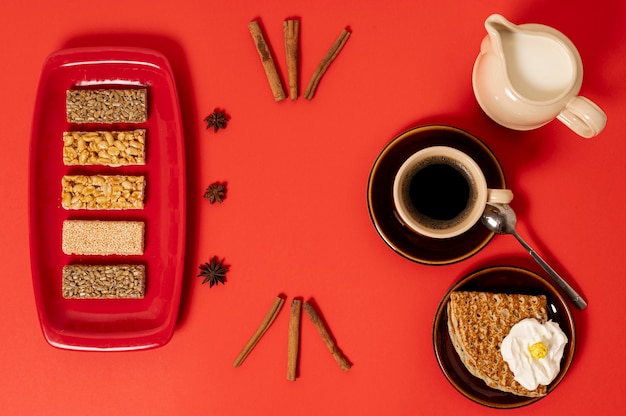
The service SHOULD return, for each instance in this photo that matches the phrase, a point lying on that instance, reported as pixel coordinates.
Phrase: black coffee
(441, 192)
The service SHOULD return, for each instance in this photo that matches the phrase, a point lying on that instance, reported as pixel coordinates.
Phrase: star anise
(213, 272)
(215, 192)
(217, 120)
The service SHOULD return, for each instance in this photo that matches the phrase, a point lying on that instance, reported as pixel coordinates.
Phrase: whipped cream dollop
(533, 352)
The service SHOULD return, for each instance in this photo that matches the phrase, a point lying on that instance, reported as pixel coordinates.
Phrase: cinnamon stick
(265, 324)
(293, 339)
(267, 60)
(291, 28)
(328, 340)
(325, 63)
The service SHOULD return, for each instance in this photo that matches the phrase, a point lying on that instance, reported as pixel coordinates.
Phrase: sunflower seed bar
(102, 192)
(106, 105)
(103, 237)
(108, 148)
(123, 281)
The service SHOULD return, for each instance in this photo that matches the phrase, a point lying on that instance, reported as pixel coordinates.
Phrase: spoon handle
(576, 298)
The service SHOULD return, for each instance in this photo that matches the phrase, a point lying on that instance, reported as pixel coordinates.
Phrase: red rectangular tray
(108, 324)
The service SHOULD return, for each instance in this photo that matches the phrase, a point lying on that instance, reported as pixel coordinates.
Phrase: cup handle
(583, 116)
(499, 196)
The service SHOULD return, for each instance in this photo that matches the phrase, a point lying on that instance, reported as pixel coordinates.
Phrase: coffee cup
(441, 192)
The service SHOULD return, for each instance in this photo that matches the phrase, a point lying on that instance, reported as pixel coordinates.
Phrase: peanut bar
(108, 148)
(102, 192)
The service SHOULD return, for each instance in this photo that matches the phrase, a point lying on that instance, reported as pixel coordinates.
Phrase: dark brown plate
(398, 236)
(502, 279)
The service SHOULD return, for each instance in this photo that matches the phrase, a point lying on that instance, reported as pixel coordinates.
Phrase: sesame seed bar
(127, 105)
(108, 148)
(93, 237)
(102, 192)
(123, 281)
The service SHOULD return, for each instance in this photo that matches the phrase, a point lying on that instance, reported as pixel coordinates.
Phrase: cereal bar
(108, 148)
(103, 237)
(102, 192)
(123, 281)
(127, 105)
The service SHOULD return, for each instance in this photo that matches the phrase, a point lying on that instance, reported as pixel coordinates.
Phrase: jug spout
(497, 27)
(496, 24)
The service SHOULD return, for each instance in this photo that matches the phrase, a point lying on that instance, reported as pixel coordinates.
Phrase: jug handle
(583, 116)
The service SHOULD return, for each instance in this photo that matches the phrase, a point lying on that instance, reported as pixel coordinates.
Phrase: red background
(295, 221)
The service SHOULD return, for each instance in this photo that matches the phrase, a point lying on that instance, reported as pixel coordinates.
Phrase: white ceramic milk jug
(525, 76)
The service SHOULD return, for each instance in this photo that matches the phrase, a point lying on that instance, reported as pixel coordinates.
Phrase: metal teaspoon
(501, 219)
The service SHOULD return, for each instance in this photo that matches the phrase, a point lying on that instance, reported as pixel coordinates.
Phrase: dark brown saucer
(388, 224)
(501, 279)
